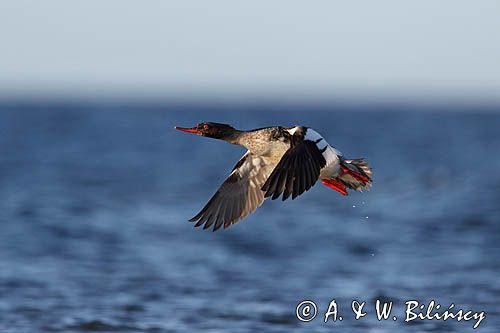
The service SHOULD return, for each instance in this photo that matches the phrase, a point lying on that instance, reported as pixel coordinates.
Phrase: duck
(280, 161)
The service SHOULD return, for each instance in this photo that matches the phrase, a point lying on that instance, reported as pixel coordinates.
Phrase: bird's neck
(254, 141)
(237, 137)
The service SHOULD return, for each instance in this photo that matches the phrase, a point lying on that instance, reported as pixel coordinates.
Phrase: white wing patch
(293, 130)
(312, 135)
(330, 154)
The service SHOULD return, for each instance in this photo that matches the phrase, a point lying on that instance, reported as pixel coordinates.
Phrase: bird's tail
(354, 174)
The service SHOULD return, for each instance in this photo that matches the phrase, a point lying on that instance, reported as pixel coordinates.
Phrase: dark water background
(94, 202)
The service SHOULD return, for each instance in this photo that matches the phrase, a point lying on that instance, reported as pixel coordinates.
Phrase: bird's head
(210, 130)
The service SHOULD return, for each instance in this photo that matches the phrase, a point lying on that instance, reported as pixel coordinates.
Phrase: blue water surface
(95, 198)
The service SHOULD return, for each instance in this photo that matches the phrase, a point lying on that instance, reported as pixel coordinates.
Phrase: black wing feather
(297, 171)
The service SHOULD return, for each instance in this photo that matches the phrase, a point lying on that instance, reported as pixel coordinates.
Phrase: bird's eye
(205, 126)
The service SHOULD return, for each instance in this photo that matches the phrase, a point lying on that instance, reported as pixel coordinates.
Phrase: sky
(281, 48)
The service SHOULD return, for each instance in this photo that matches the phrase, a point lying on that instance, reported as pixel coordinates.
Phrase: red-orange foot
(356, 175)
(336, 185)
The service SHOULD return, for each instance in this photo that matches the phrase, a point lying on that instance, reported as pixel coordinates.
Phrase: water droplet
(353, 206)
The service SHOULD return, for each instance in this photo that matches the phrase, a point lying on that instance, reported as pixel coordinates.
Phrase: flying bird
(280, 161)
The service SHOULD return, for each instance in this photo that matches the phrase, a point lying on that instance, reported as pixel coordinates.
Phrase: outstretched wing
(238, 196)
(298, 170)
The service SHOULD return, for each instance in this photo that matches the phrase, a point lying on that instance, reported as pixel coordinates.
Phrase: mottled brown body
(270, 143)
